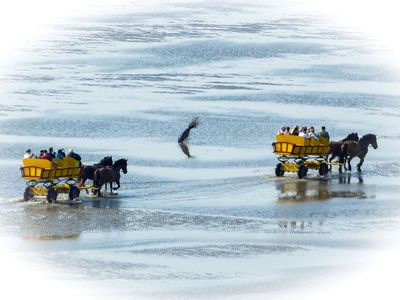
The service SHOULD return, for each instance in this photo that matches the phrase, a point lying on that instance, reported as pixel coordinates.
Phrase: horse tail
(343, 152)
(96, 179)
(80, 176)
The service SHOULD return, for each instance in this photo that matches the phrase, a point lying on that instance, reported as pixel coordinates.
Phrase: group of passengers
(50, 154)
(304, 132)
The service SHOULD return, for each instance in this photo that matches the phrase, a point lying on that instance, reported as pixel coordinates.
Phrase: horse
(335, 147)
(351, 149)
(109, 175)
(182, 141)
(87, 172)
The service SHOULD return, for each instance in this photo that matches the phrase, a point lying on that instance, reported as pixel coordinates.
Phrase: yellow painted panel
(71, 163)
(36, 162)
(323, 141)
(293, 139)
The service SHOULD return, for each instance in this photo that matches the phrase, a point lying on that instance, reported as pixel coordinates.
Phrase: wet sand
(220, 225)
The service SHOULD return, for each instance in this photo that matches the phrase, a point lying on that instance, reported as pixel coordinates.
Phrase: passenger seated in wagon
(312, 134)
(28, 154)
(73, 155)
(45, 155)
(323, 133)
(303, 132)
(59, 155)
(51, 152)
(287, 131)
(281, 131)
(294, 130)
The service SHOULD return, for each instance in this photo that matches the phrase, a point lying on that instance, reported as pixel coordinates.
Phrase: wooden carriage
(297, 154)
(49, 178)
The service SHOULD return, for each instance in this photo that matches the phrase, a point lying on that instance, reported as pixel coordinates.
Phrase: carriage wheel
(323, 169)
(51, 195)
(302, 172)
(73, 193)
(28, 195)
(279, 170)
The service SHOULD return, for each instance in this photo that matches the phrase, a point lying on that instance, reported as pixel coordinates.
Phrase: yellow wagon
(49, 178)
(297, 154)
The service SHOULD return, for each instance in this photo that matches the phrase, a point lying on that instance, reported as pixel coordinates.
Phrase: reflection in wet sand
(315, 190)
(346, 178)
(66, 220)
(53, 237)
(303, 190)
(301, 225)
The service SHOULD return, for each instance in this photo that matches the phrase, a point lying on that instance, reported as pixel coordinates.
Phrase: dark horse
(87, 172)
(351, 149)
(109, 175)
(183, 139)
(335, 147)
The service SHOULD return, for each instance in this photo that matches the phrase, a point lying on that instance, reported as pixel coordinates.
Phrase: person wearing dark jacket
(51, 152)
(73, 155)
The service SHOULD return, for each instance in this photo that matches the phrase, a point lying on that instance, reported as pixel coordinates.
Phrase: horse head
(373, 142)
(106, 161)
(369, 139)
(122, 164)
(353, 137)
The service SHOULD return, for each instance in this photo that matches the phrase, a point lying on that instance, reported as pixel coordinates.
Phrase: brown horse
(109, 175)
(87, 171)
(352, 149)
(336, 147)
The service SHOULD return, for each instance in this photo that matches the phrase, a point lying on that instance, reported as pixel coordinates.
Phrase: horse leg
(99, 191)
(330, 160)
(360, 164)
(118, 185)
(111, 188)
(82, 183)
(348, 162)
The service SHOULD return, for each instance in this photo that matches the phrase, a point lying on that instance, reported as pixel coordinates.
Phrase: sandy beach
(125, 81)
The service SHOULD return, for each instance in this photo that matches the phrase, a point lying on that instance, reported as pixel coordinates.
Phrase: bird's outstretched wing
(183, 139)
(185, 134)
(185, 149)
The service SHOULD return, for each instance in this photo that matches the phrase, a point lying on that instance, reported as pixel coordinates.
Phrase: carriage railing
(299, 146)
(283, 148)
(32, 173)
(38, 169)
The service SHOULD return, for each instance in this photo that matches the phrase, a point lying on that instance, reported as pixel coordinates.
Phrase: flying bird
(184, 138)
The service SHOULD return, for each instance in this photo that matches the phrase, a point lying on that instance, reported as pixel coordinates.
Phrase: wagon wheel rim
(279, 170)
(302, 172)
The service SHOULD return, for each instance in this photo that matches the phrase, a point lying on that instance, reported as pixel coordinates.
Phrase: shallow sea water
(126, 82)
